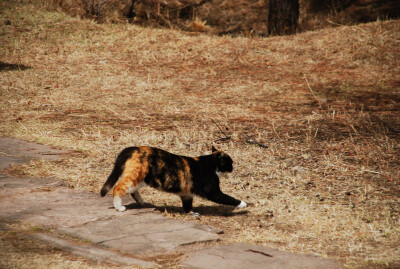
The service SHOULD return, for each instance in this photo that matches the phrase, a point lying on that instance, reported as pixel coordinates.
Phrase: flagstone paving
(239, 256)
(122, 238)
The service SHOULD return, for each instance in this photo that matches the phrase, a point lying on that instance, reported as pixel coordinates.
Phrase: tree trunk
(283, 16)
(129, 10)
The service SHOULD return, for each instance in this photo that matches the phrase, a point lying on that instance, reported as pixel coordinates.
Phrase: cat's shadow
(214, 210)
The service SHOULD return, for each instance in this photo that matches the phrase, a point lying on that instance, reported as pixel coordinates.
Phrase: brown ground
(325, 105)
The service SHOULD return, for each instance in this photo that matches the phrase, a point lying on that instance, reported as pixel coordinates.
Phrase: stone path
(136, 235)
(253, 257)
(92, 252)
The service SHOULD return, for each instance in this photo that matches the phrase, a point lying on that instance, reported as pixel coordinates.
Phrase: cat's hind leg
(120, 192)
(118, 204)
(136, 196)
(128, 184)
(187, 202)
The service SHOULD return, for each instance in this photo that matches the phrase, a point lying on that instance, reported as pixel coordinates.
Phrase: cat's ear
(213, 149)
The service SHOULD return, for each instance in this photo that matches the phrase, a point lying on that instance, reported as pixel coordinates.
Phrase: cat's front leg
(242, 204)
(187, 203)
(219, 197)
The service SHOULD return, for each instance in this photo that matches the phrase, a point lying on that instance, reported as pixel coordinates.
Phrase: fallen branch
(222, 138)
(260, 252)
(312, 92)
(251, 141)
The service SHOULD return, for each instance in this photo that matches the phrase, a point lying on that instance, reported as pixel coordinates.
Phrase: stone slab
(92, 252)
(238, 256)
(88, 216)
(56, 207)
(7, 182)
(147, 234)
(49, 204)
(7, 161)
(16, 150)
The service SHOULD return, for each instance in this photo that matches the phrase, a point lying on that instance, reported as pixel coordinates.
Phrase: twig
(273, 129)
(251, 141)
(222, 138)
(312, 92)
(372, 172)
(334, 23)
(260, 252)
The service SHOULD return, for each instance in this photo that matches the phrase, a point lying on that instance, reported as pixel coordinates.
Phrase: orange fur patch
(134, 173)
(185, 178)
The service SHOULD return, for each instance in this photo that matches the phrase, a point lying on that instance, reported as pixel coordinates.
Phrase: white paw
(194, 214)
(118, 204)
(121, 209)
(242, 205)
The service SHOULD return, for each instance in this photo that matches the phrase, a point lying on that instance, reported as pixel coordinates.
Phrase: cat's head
(223, 161)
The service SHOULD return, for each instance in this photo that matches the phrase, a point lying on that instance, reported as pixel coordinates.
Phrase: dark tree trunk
(283, 16)
(129, 10)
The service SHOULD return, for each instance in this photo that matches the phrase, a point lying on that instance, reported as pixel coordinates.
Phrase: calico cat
(136, 167)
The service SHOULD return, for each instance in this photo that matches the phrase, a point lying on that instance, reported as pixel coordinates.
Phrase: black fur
(117, 170)
(206, 181)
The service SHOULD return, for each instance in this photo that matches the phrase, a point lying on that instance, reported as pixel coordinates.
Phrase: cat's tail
(111, 180)
(117, 170)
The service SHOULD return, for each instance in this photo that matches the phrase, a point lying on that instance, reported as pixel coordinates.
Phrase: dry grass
(221, 17)
(18, 250)
(325, 103)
